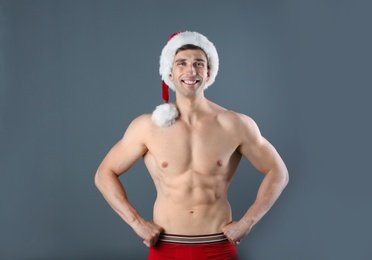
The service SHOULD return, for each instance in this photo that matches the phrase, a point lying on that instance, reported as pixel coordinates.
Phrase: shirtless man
(191, 149)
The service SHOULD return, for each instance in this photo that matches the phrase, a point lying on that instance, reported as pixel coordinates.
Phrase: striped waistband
(186, 239)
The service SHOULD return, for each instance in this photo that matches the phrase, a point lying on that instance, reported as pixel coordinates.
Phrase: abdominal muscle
(192, 204)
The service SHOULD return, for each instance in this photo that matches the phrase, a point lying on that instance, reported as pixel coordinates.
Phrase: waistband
(187, 239)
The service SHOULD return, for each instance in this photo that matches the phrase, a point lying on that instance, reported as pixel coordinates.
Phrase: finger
(231, 241)
(154, 241)
(146, 243)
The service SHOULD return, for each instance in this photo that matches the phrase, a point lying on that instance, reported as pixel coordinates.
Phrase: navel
(219, 163)
(164, 164)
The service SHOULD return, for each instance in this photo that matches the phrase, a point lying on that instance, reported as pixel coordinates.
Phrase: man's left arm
(266, 159)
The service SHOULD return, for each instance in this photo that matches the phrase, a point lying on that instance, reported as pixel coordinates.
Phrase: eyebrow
(180, 60)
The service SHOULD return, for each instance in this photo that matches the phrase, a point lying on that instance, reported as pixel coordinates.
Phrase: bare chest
(208, 149)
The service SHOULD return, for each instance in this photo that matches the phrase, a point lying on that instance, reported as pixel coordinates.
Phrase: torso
(192, 167)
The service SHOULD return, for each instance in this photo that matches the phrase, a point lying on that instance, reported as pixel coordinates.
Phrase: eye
(199, 64)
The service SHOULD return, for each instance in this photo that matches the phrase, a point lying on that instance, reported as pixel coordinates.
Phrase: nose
(191, 69)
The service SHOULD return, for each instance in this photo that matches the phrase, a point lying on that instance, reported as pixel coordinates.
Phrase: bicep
(258, 151)
(261, 154)
(125, 152)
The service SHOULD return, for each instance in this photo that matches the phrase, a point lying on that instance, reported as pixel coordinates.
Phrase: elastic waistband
(186, 239)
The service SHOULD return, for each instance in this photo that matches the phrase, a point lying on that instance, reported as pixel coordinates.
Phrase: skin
(192, 163)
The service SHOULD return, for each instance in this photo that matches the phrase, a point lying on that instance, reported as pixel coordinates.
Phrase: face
(190, 72)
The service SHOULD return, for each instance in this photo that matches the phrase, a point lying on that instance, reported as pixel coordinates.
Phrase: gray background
(73, 74)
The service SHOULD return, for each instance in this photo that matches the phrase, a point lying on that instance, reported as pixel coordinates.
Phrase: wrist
(134, 220)
(248, 221)
(130, 216)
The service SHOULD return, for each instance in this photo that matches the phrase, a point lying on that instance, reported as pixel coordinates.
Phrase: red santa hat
(166, 114)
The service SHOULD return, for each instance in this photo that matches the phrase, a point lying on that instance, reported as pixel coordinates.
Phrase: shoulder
(142, 120)
(236, 120)
(139, 126)
(240, 125)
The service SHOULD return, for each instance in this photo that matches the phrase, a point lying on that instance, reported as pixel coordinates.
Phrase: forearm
(269, 191)
(113, 191)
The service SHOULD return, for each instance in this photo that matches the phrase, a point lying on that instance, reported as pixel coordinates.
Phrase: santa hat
(166, 114)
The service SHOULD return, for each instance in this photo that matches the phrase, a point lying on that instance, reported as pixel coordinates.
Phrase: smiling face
(190, 72)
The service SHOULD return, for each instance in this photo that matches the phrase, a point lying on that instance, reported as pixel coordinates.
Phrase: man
(191, 149)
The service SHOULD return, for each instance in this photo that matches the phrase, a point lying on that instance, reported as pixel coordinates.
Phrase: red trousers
(192, 249)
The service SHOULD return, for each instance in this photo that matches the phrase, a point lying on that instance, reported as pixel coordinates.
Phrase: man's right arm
(122, 156)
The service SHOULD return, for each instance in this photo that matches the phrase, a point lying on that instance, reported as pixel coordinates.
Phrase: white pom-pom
(165, 115)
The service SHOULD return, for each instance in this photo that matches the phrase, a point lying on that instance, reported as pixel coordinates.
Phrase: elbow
(282, 176)
(103, 177)
(285, 178)
(97, 179)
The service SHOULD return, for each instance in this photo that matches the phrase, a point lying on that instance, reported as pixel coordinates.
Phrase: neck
(191, 109)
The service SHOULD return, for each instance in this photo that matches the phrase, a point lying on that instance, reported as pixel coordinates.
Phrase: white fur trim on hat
(187, 37)
(165, 115)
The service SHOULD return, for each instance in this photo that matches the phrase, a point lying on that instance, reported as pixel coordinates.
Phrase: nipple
(219, 163)
(164, 164)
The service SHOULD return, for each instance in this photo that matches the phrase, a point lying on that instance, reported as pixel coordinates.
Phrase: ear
(208, 75)
(171, 76)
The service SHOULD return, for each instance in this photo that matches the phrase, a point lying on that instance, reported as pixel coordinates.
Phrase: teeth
(190, 82)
